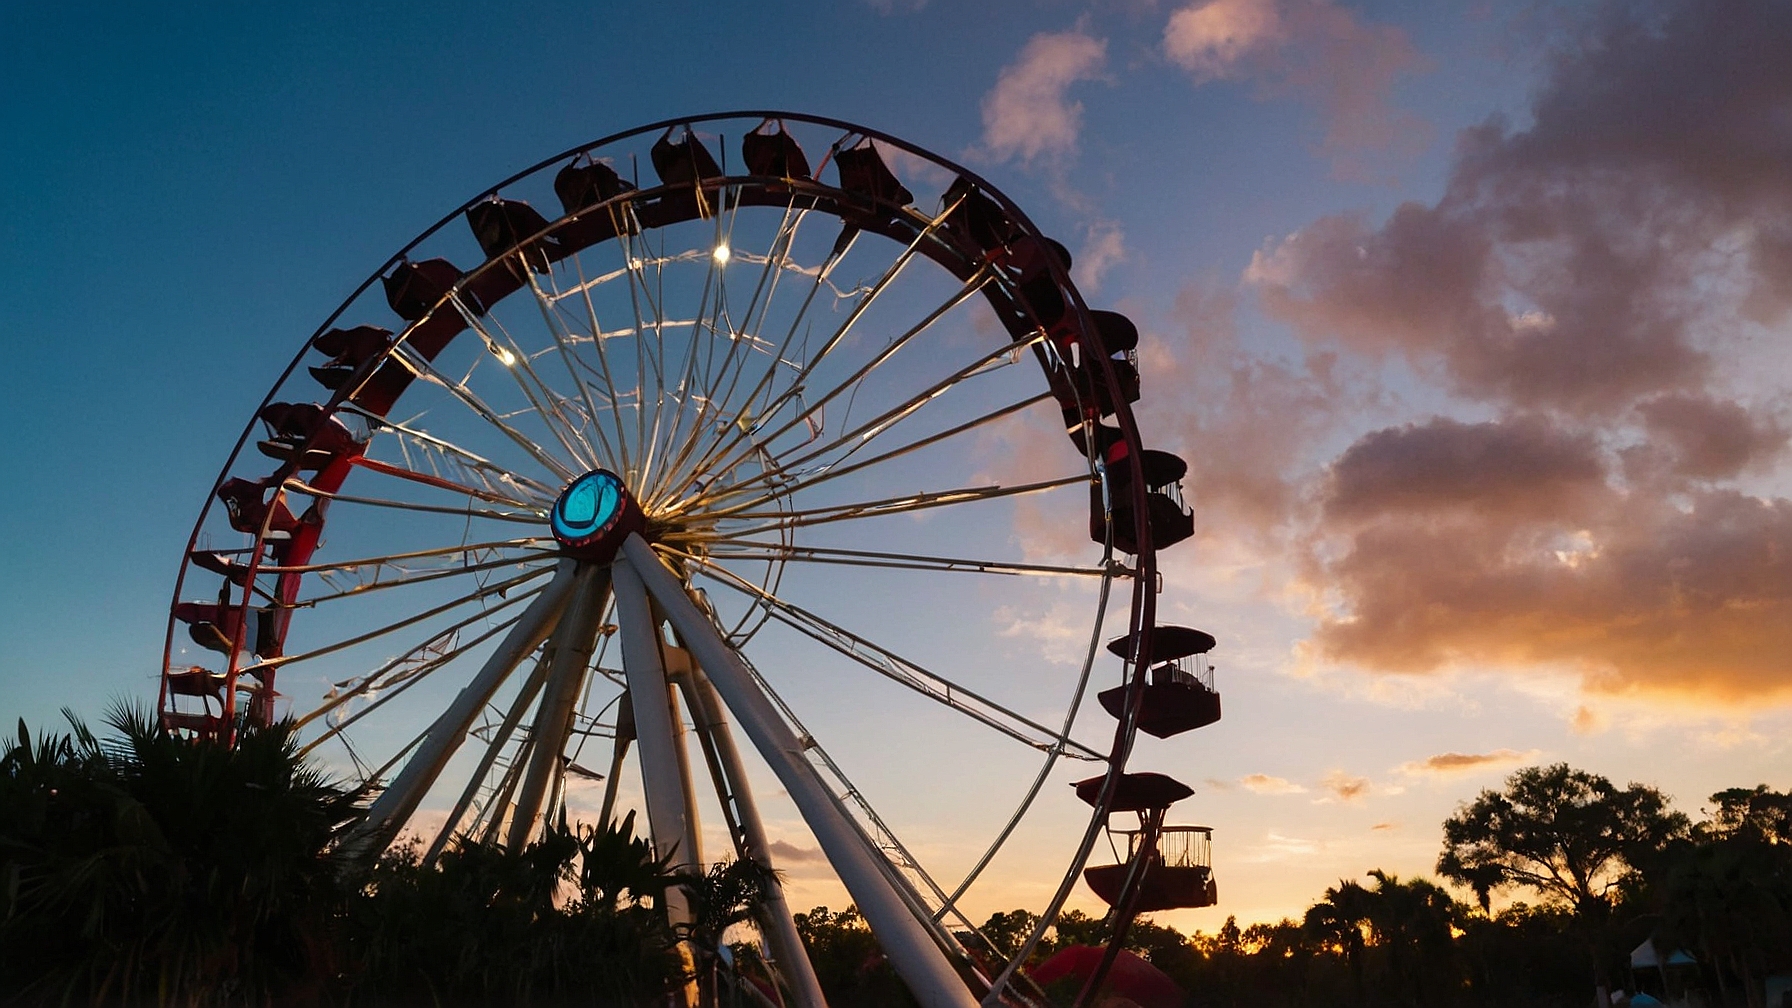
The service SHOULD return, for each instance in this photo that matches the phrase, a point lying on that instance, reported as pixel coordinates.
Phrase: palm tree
(1339, 920)
(571, 917)
(1413, 921)
(150, 868)
(729, 893)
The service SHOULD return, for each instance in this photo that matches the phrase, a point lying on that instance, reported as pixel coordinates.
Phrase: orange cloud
(1584, 280)
(1345, 787)
(1455, 762)
(1266, 784)
(1635, 589)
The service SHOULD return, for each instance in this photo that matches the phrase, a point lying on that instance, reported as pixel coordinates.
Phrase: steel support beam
(905, 941)
(395, 805)
(662, 776)
(625, 734)
(573, 642)
(519, 706)
(737, 797)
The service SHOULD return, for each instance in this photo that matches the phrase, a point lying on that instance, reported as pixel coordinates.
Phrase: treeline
(1592, 872)
(147, 870)
(144, 869)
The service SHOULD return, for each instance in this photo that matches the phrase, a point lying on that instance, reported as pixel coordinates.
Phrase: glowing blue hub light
(587, 508)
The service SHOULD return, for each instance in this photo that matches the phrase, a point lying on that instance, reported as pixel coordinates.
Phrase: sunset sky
(1470, 319)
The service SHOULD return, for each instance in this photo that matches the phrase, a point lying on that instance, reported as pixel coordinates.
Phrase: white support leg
(792, 961)
(660, 774)
(911, 950)
(625, 734)
(572, 645)
(395, 805)
(476, 782)
(692, 841)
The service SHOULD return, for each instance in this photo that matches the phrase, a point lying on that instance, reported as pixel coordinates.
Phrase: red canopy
(1131, 977)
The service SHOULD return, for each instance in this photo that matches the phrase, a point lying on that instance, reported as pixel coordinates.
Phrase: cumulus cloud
(1244, 422)
(1568, 263)
(1315, 50)
(1266, 784)
(1706, 438)
(1583, 282)
(1443, 465)
(784, 852)
(1344, 787)
(1029, 114)
(1455, 762)
(1633, 588)
(1104, 247)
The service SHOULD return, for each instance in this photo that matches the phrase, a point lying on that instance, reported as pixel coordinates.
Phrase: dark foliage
(145, 869)
(566, 919)
(150, 869)
(848, 963)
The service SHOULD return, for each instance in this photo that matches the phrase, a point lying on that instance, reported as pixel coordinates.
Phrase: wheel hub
(594, 514)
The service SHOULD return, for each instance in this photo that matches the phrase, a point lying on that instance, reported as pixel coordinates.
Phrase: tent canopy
(1645, 955)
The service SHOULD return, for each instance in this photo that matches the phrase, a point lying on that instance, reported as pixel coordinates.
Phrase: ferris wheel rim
(1142, 575)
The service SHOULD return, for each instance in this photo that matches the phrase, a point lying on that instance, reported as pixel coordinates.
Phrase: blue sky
(188, 191)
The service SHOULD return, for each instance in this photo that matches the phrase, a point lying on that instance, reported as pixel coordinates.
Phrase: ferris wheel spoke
(434, 649)
(429, 373)
(810, 408)
(781, 552)
(564, 347)
(603, 358)
(296, 485)
(471, 463)
(898, 669)
(829, 471)
(864, 433)
(705, 321)
(387, 687)
(969, 289)
(776, 263)
(746, 334)
(878, 508)
(430, 480)
(868, 299)
(541, 397)
(479, 594)
(746, 424)
(637, 288)
(392, 558)
(415, 578)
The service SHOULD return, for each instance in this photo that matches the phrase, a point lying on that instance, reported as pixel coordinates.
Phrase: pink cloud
(1583, 280)
(1314, 50)
(1028, 114)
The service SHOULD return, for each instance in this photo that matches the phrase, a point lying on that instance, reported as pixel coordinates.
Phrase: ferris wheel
(777, 446)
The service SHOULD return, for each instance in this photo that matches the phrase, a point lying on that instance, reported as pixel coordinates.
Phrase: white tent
(1644, 955)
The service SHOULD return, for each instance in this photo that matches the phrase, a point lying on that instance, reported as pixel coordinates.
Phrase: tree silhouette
(1412, 921)
(1569, 835)
(1728, 890)
(149, 868)
(1338, 920)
